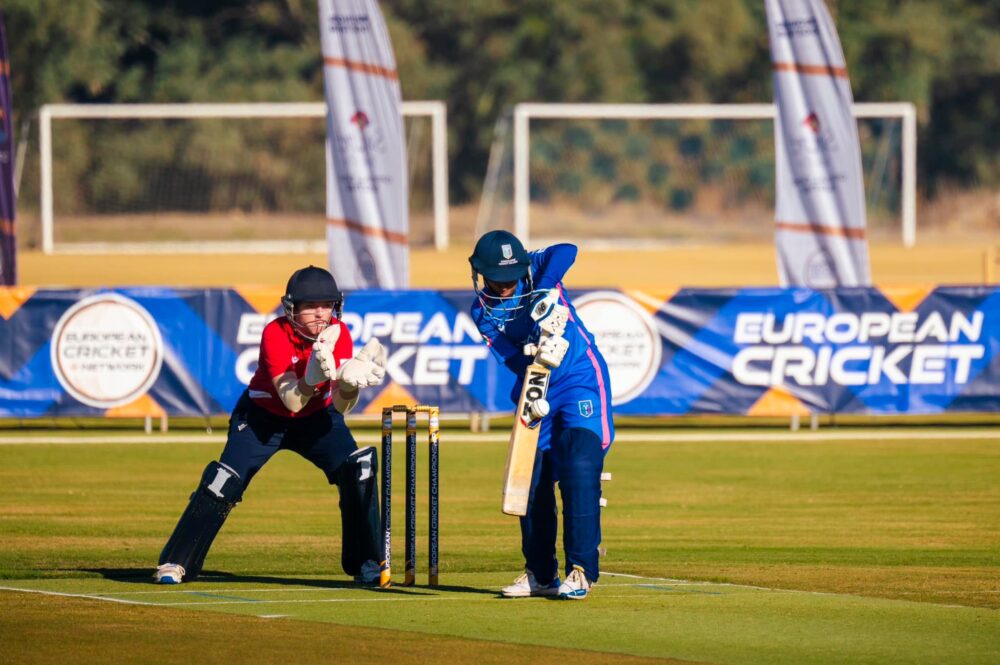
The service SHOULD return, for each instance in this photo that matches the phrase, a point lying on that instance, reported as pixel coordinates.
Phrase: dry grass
(41, 629)
(933, 262)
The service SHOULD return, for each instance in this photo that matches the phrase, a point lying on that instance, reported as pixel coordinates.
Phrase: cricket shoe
(526, 586)
(369, 574)
(169, 573)
(576, 586)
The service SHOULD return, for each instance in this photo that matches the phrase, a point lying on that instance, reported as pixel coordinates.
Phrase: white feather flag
(820, 204)
(367, 205)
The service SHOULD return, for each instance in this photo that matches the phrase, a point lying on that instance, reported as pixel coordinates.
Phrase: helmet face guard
(289, 308)
(500, 258)
(501, 309)
(311, 284)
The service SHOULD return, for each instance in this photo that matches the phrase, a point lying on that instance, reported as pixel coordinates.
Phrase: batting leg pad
(357, 481)
(219, 490)
(580, 465)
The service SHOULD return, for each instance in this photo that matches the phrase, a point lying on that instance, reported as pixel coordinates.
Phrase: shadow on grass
(145, 576)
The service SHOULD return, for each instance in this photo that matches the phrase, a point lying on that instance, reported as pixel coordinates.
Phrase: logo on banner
(797, 27)
(819, 274)
(106, 351)
(811, 149)
(356, 23)
(363, 142)
(360, 118)
(426, 348)
(815, 139)
(628, 339)
(857, 348)
(812, 122)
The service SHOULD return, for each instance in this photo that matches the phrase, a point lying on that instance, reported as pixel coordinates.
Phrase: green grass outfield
(849, 545)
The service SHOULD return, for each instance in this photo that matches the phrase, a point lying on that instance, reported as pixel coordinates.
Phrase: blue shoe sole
(579, 594)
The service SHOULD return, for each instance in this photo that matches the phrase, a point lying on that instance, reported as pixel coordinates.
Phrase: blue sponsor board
(730, 351)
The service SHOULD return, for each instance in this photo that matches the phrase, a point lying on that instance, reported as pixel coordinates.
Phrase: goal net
(614, 174)
(212, 177)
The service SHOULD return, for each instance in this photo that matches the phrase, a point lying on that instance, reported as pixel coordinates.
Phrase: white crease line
(76, 595)
(104, 440)
(782, 436)
(778, 590)
(217, 591)
(315, 600)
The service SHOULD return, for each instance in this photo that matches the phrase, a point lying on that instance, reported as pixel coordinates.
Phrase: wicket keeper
(306, 381)
(576, 423)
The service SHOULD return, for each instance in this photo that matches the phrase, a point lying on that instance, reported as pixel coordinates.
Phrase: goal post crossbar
(523, 113)
(437, 111)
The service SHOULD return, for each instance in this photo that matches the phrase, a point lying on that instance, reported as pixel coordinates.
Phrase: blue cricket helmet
(500, 257)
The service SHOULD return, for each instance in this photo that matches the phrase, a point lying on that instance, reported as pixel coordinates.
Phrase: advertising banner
(766, 351)
(820, 203)
(8, 239)
(367, 198)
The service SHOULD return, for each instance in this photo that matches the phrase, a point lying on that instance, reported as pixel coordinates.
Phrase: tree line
(483, 56)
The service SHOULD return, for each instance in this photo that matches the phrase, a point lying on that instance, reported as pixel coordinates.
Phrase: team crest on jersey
(586, 408)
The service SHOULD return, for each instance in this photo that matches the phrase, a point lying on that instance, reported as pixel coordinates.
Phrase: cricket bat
(524, 442)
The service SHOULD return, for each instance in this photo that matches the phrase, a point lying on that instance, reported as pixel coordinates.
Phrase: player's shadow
(145, 576)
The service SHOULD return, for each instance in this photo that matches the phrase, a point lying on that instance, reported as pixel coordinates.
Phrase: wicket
(433, 431)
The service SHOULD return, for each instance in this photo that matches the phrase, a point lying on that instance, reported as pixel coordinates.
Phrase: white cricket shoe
(369, 575)
(169, 573)
(576, 586)
(526, 586)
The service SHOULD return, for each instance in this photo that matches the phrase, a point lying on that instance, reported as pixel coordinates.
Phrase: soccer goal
(247, 178)
(638, 174)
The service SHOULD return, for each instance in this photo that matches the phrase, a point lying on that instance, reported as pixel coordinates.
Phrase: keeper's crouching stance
(306, 381)
(523, 313)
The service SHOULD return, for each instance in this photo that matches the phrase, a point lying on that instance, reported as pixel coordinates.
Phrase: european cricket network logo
(106, 351)
(857, 349)
(628, 339)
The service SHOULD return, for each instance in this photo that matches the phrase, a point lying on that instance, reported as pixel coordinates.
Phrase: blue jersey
(582, 370)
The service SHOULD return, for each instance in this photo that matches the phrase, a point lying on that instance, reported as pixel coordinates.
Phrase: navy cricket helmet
(500, 257)
(311, 284)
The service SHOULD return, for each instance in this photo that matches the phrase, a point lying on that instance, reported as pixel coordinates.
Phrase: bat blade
(523, 443)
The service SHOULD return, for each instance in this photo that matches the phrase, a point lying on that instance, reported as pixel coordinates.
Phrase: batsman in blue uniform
(576, 422)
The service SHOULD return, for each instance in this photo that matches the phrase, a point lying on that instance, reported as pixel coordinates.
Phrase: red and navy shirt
(284, 350)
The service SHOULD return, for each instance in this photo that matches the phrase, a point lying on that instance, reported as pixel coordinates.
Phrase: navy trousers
(256, 434)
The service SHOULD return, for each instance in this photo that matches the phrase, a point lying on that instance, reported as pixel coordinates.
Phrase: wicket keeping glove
(321, 363)
(365, 369)
(376, 356)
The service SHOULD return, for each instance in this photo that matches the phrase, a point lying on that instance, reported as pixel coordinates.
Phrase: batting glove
(321, 363)
(549, 315)
(552, 350)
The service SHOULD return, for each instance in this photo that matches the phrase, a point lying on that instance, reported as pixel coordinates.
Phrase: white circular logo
(627, 337)
(106, 351)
